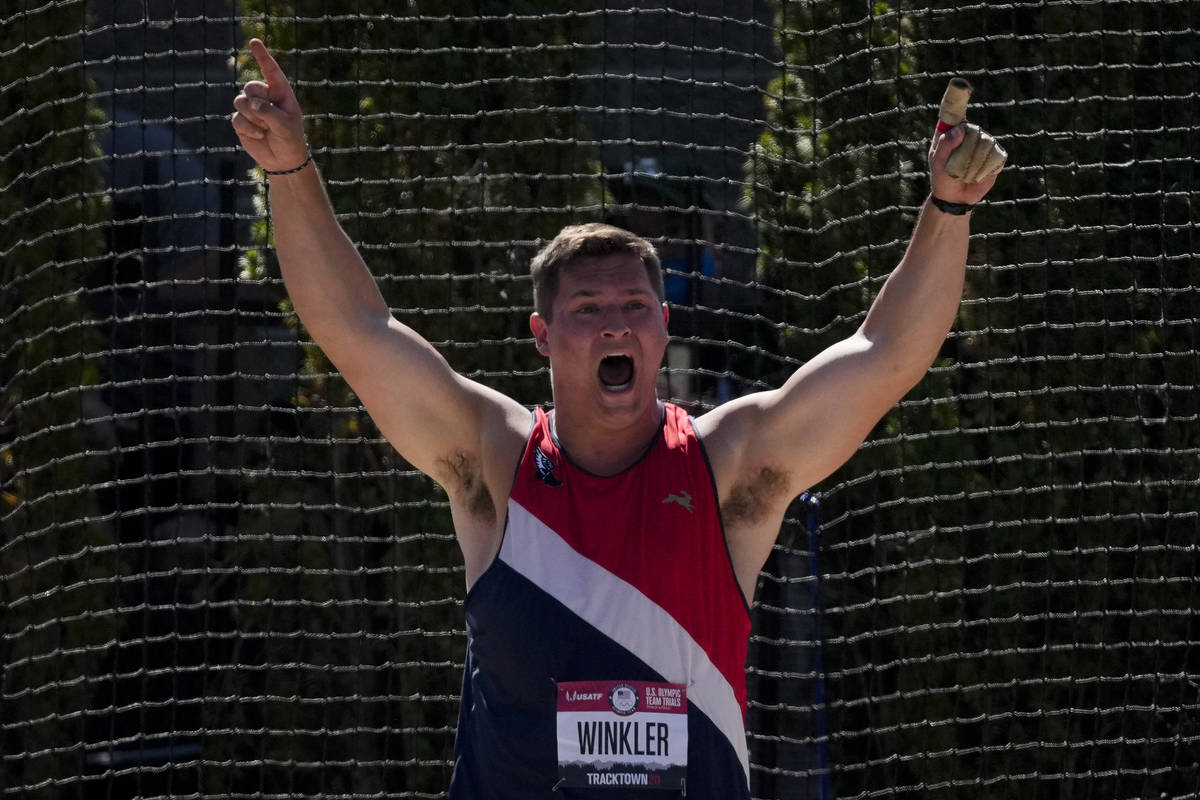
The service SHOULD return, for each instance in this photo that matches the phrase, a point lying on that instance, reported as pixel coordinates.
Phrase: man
(611, 546)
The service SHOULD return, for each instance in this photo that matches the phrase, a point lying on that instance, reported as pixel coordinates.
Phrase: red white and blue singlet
(621, 578)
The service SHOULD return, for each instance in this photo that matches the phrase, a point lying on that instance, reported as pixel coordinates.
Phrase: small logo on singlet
(683, 498)
(545, 469)
(623, 699)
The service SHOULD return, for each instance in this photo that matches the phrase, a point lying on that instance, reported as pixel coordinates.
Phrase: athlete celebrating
(612, 546)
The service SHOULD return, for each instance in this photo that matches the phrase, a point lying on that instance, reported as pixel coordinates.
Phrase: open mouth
(616, 373)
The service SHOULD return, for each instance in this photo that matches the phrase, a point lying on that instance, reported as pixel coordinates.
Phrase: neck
(602, 450)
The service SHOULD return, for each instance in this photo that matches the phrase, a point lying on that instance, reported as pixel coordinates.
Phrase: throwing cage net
(218, 581)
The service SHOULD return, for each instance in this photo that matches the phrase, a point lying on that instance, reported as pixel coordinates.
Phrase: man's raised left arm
(790, 438)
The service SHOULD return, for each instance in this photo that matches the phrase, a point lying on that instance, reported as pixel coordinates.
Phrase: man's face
(606, 340)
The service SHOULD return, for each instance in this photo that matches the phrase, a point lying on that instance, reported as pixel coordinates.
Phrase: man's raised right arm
(437, 419)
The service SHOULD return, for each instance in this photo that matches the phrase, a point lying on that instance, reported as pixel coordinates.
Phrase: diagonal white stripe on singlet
(620, 611)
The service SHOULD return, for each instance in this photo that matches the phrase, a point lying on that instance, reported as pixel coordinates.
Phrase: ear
(541, 333)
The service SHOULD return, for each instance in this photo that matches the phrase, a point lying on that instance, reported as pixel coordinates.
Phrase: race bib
(623, 734)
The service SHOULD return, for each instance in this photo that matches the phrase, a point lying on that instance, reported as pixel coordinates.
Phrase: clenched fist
(964, 159)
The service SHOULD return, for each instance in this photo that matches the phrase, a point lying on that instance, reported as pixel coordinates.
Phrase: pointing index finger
(268, 65)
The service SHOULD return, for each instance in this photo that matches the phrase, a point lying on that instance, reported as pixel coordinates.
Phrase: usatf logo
(683, 498)
(545, 469)
(623, 699)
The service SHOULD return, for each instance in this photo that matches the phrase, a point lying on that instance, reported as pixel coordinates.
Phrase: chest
(653, 519)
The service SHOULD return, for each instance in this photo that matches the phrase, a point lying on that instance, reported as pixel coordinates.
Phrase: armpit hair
(751, 500)
(462, 477)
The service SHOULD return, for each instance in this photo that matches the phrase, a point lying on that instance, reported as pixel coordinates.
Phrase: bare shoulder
(754, 486)
(477, 473)
(479, 478)
(752, 482)
(504, 442)
(454, 429)
(787, 439)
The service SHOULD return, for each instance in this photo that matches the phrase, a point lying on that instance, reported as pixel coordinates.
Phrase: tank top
(620, 578)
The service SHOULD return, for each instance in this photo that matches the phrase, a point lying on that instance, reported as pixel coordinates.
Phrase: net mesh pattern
(219, 581)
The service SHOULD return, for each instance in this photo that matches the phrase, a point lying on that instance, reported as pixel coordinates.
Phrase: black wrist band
(957, 209)
(307, 161)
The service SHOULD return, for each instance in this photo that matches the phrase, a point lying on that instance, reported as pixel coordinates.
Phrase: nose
(614, 323)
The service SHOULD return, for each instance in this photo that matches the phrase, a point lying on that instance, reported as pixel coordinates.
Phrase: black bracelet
(307, 161)
(957, 209)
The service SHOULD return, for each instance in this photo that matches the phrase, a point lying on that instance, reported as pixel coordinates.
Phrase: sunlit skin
(604, 306)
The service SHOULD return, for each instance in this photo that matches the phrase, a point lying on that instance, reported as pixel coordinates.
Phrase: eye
(586, 308)
(635, 305)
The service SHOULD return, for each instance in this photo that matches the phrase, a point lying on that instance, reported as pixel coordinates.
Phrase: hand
(268, 120)
(942, 183)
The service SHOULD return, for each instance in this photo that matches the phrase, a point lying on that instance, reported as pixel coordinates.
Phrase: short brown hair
(590, 240)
